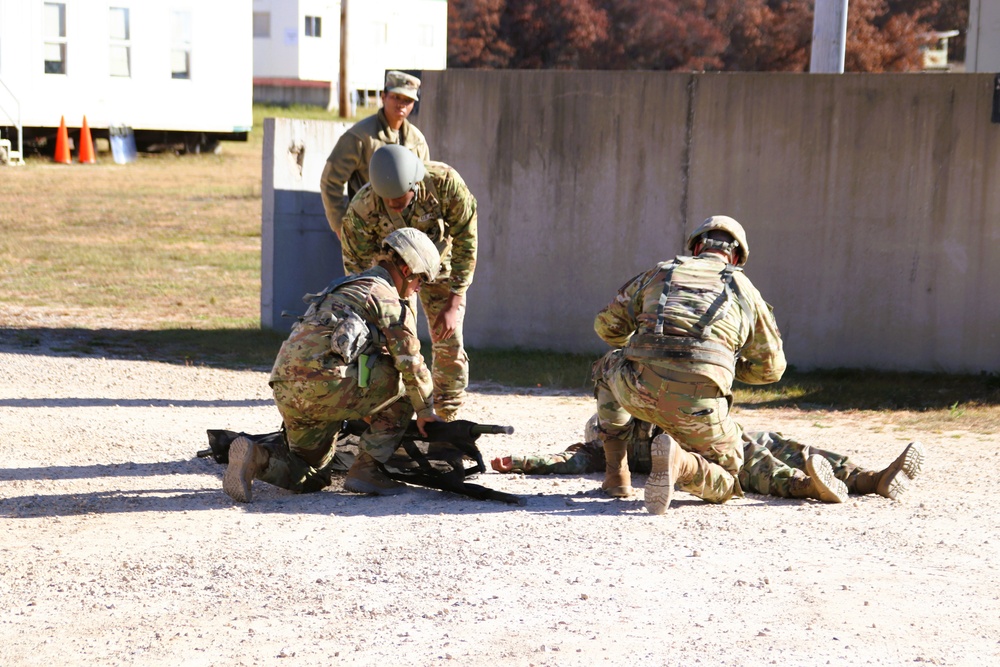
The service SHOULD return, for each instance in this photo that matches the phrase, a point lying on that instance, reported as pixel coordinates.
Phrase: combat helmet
(394, 171)
(417, 250)
(730, 226)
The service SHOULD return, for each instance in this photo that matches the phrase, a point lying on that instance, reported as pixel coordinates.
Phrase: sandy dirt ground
(118, 546)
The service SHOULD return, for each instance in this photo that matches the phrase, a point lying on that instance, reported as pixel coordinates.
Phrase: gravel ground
(119, 547)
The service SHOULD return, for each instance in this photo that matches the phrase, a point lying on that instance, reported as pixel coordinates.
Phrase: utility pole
(343, 104)
(829, 37)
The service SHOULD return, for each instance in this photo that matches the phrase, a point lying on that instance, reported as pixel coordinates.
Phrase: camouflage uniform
(675, 368)
(770, 462)
(348, 162)
(315, 391)
(445, 210)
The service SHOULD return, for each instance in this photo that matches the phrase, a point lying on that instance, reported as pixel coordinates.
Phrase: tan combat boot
(820, 484)
(671, 465)
(246, 460)
(895, 479)
(617, 478)
(365, 476)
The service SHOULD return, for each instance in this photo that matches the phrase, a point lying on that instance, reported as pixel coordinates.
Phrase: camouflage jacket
(348, 162)
(443, 208)
(743, 323)
(306, 355)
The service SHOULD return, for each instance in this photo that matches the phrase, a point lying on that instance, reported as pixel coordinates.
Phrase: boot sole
(238, 478)
(659, 489)
(828, 487)
(909, 465)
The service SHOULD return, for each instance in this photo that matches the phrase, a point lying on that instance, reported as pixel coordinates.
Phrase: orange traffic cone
(86, 144)
(62, 143)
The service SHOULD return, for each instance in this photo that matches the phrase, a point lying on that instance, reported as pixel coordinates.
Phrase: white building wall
(982, 53)
(216, 98)
(396, 34)
(319, 57)
(277, 56)
(382, 34)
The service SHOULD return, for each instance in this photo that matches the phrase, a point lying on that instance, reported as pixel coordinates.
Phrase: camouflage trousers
(449, 362)
(313, 413)
(701, 425)
(770, 462)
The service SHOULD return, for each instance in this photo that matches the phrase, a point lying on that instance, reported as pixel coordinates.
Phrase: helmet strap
(728, 247)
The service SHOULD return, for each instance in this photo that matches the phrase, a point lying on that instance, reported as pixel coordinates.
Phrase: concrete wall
(872, 202)
(299, 253)
(982, 51)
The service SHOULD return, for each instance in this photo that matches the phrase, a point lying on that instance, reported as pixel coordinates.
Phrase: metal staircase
(7, 153)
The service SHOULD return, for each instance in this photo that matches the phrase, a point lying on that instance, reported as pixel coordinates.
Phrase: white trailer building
(296, 45)
(175, 71)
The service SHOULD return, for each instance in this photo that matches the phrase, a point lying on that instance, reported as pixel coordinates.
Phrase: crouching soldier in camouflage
(354, 354)
(404, 192)
(686, 329)
(772, 465)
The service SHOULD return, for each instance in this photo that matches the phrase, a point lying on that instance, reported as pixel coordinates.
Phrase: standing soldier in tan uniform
(354, 354)
(404, 192)
(348, 162)
(686, 329)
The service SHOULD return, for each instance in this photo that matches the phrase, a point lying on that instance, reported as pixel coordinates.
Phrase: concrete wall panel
(578, 187)
(872, 202)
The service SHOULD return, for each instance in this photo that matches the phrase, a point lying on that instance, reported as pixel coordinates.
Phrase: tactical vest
(668, 342)
(350, 334)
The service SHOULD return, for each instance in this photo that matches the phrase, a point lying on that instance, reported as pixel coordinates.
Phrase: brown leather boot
(246, 461)
(365, 476)
(617, 478)
(818, 483)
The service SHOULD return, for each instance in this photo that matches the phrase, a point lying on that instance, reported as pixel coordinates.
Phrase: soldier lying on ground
(773, 465)
(354, 354)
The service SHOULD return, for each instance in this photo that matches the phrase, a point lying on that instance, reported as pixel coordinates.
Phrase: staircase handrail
(17, 123)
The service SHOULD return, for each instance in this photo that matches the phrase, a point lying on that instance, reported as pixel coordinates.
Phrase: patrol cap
(417, 250)
(726, 224)
(394, 170)
(402, 83)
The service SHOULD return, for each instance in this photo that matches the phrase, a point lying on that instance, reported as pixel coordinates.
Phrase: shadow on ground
(525, 371)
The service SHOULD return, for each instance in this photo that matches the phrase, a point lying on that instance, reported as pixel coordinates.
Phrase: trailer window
(54, 26)
(314, 26)
(180, 51)
(121, 44)
(262, 24)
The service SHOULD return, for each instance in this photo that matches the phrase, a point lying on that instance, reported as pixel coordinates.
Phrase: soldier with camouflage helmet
(405, 192)
(684, 330)
(354, 354)
(348, 161)
(773, 464)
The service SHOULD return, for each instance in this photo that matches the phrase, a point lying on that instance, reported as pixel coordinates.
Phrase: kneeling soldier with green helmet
(353, 355)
